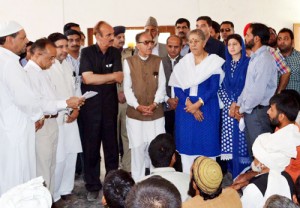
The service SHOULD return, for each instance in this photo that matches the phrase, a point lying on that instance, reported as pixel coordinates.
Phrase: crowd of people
(181, 116)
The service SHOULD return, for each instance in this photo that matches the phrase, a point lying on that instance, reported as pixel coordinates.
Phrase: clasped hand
(193, 108)
(146, 110)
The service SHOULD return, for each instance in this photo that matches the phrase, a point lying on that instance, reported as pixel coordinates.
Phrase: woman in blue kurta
(196, 80)
(233, 143)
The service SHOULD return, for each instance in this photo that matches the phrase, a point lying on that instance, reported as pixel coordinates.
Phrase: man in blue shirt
(260, 86)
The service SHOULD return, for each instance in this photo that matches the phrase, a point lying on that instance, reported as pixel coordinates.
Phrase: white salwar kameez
(19, 110)
(69, 143)
(141, 133)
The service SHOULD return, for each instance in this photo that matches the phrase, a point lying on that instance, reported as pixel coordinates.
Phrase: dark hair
(116, 186)
(57, 36)
(262, 31)
(271, 28)
(138, 36)
(278, 201)
(292, 93)
(297, 189)
(3, 39)
(286, 30)
(41, 44)
(72, 32)
(69, 25)
(205, 18)
(175, 36)
(81, 33)
(183, 20)
(215, 26)
(286, 104)
(153, 192)
(227, 23)
(236, 37)
(161, 150)
(97, 27)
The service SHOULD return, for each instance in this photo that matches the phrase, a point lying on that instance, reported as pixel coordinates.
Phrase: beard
(275, 121)
(250, 44)
(155, 40)
(284, 49)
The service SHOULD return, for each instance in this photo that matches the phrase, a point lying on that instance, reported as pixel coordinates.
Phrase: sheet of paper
(89, 94)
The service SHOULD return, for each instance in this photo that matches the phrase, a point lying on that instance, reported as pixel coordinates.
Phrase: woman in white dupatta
(196, 80)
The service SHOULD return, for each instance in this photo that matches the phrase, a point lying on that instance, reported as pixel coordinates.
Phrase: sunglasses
(225, 30)
(147, 42)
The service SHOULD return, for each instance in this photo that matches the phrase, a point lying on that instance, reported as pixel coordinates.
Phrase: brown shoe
(68, 197)
(59, 204)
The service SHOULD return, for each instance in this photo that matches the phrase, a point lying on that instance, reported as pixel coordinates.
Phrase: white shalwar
(69, 143)
(19, 110)
(141, 133)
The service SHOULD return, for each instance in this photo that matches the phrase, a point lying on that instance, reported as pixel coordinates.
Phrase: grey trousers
(257, 122)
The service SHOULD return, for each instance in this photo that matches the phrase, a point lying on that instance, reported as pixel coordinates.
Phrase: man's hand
(75, 102)
(39, 124)
(237, 114)
(118, 76)
(172, 102)
(73, 116)
(121, 97)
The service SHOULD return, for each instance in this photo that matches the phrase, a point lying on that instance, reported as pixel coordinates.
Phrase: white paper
(89, 94)
(242, 124)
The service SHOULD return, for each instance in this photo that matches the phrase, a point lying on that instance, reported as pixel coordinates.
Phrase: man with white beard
(19, 110)
(69, 143)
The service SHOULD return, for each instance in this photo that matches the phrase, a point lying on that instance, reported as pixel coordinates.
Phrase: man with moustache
(212, 45)
(182, 28)
(226, 29)
(19, 111)
(119, 41)
(43, 54)
(101, 69)
(144, 88)
(285, 43)
(174, 44)
(151, 27)
(69, 144)
(260, 85)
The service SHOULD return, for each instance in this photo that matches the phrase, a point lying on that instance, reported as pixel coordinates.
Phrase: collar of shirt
(173, 59)
(258, 51)
(34, 66)
(165, 169)
(143, 58)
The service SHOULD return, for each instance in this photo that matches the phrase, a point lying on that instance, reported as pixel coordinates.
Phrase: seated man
(272, 154)
(162, 155)
(116, 186)
(206, 187)
(153, 192)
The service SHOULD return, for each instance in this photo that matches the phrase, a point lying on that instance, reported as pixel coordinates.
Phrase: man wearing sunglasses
(226, 29)
(144, 88)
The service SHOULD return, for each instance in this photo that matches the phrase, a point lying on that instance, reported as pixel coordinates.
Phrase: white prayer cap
(276, 150)
(9, 27)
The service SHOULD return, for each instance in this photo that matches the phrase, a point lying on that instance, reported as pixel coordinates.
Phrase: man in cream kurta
(19, 110)
(69, 144)
(43, 55)
(144, 88)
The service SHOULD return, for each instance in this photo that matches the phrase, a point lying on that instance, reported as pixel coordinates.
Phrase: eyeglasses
(147, 42)
(225, 30)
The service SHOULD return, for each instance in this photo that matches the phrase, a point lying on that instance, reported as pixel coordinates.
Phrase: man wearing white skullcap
(273, 152)
(20, 114)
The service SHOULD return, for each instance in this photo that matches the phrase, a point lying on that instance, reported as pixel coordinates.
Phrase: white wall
(42, 17)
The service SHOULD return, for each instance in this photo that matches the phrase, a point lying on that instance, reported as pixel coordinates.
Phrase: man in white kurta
(69, 144)
(144, 88)
(19, 110)
(43, 56)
